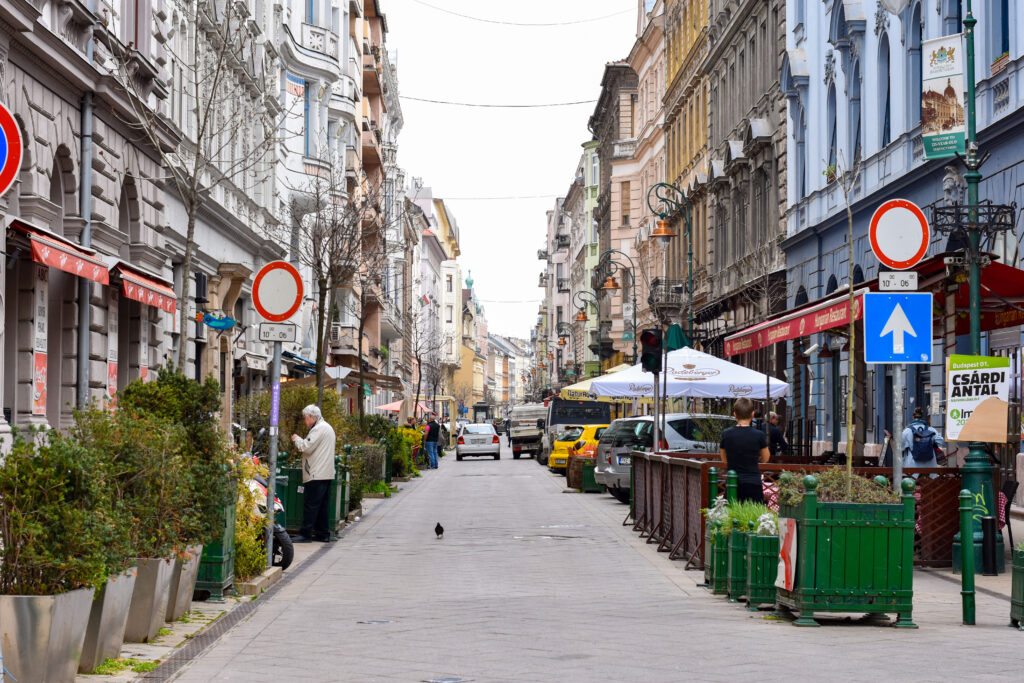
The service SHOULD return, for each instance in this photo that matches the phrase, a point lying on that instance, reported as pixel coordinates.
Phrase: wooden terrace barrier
(670, 489)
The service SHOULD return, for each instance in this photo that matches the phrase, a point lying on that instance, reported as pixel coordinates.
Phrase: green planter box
(291, 497)
(736, 583)
(762, 568)
(1017, 590)
(709, 545)
(851, 557)
(217, 563)
(720, 565)
(589, 485)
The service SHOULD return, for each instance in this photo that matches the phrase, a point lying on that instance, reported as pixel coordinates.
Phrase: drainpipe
(85, 209)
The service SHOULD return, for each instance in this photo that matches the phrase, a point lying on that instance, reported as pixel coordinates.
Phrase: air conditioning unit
(335, 334)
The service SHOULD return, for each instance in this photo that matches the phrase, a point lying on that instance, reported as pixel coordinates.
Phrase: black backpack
(923, 448)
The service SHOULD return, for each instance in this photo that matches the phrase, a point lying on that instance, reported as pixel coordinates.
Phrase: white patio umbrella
(690, 373)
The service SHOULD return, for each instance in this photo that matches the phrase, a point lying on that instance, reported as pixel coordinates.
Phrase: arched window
(128, 214)
(856, 135)
(884, 91)
(832, 285)
(858, 275)
(801, 296)
(722, 220)
(801, 154)
(914, 67)
(831, 128)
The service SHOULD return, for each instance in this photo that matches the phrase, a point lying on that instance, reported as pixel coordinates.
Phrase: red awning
(1002, 289)
(57, 252)
(800, 323)
(146, 289)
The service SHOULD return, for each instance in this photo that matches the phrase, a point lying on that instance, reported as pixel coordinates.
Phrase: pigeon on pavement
(439, 530)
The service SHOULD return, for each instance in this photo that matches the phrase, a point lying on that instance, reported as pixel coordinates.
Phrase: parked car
(478, 439)
(575, 440)
(693, 433)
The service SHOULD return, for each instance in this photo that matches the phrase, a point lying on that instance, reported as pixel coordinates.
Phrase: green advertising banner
(977, 398)
(943, 128)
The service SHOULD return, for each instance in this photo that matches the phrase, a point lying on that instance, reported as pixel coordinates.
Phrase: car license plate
(625, 459)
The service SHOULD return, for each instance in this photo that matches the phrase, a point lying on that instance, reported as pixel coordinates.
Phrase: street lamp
(666, 204)
(611, 267)
(581, 299)
(567, 330)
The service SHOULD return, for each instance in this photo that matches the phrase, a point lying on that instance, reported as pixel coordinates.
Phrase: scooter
(283, 549)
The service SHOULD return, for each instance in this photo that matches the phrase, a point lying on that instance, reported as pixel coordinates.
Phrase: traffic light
(650, 355)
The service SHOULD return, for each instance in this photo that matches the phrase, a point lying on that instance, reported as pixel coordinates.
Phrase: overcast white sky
(464, 152)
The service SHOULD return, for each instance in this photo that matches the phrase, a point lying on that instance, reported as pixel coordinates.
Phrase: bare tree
(426, 350)
(766, 290)
(222, 108)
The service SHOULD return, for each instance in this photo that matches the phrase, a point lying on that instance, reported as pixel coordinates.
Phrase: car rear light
(495, 439)
(609, 459)
(662, 444)
(462, 441)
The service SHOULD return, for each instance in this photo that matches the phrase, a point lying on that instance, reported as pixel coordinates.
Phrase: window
(831, 128)
(801, 154)
(885, 88)
(1000, 27)
(594, 169)
(448, 283)
(800, 11)
(914, 68)
(448, 311)
(306, 134)
(624, 201)
(855, 119)
(953, 17)
(309, 12)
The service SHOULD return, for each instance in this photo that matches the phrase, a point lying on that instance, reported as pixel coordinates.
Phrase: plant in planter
(1017, 588)
(852, 552)
(762, 561)
(54, 521)
(716, 562)
(743, 518)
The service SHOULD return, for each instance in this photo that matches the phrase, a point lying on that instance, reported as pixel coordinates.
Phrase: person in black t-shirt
(742, 448)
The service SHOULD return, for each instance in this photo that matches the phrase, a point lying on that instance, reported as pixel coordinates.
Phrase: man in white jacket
(317, 472)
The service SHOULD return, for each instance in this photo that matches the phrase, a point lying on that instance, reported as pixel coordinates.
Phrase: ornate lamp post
(611, 267)
(566, 330)
(580, 300)
(666, 196)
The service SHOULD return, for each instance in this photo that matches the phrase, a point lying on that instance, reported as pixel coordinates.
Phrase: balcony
(320, 39)
(624, 149)
(561, 241)
(371, 145)
(543, 280)
(371, 72)
(563, 284)
(319, 168)
(351, 162)
(343, 339)
(390, 320)
(542, 254)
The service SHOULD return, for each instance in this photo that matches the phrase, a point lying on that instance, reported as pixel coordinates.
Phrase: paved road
(533, 584)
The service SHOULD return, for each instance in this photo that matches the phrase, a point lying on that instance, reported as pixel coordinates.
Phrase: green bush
(54, 518)
(833, 484)
(250, 552)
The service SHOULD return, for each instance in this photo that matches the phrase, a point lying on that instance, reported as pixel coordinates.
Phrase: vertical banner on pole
(942, 97)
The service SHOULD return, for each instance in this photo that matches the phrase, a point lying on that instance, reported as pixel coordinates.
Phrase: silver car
(478, 439)
(695, 433)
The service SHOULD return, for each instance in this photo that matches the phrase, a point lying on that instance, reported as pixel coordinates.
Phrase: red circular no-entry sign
(899, 234)
(10, 149)
(277, 291)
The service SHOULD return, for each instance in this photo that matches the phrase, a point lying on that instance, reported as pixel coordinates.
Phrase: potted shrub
(854, 546)
(53, 522)
(762, 561)
(743, 517)
(716, 562)
(1017, 588)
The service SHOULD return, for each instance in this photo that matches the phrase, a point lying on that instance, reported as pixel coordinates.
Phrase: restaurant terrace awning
(53, 250)
(145, 288)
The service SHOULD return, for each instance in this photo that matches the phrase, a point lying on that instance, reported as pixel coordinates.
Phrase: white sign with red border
(10, 149)
(899, 234)
(277, 291)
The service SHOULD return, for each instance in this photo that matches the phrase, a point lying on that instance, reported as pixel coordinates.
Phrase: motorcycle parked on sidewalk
(284, 550)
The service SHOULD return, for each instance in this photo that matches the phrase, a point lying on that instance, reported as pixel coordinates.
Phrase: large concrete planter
(149, 599)
(107, 620)
(851, 557)
(183, 583)
(42, 635)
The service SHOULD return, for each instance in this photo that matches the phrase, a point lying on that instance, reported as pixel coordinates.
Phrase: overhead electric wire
(497, 106)
(489, 199)
(522, 23)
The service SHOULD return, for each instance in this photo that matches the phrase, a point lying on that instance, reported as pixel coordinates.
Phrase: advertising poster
(112, 382)
(39, 383)
(977, 398)
(943, 128)
(786, 576)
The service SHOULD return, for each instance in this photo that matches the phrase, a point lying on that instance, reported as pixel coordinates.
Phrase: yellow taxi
(574, 440)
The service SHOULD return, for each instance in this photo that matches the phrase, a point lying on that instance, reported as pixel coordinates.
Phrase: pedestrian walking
(921, 443)
(430, 440)
(776, 439)
(742, 448)
(317, 451)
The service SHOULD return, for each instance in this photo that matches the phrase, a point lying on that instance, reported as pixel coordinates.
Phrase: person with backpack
(921, 442)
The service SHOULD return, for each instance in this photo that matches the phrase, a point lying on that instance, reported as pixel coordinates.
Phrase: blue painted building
(852, 79)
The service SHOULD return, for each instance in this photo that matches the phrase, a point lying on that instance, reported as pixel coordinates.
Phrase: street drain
(454, 679)
(551, 537)
(375, 621)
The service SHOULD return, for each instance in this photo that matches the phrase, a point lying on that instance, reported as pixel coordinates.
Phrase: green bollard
(967, 558)
(712, 486)
(731, 486)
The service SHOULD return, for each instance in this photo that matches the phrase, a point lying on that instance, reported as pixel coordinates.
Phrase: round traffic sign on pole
(277, 291)
(10, 149)
(899, 234)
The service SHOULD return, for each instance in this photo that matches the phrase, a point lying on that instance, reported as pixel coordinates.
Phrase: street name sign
(10, 149)
(899, 234)
(898, 327)
(895, 281)
(277, 291)
(278, 332)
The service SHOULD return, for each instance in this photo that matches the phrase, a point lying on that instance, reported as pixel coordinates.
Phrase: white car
(478, 439)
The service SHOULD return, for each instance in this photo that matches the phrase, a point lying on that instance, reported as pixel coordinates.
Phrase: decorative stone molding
(830, 67)
(881, 20)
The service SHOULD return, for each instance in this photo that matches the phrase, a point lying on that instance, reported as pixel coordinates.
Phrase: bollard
(988, 546)
(967, 558)
(712, 486)
(730, 486)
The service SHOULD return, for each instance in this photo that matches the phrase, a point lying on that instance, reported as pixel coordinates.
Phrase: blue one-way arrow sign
(898, 328)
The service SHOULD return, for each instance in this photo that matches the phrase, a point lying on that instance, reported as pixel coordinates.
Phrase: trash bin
(574, 472)
(217, 564)
(292, 499)
(589, 484)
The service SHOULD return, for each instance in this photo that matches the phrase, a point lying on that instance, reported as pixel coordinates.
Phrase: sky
(466, 154)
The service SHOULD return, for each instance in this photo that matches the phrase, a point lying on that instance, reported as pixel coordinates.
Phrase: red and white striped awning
(146, 289)
(55, 251)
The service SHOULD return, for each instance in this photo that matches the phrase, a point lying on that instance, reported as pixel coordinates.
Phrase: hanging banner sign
(977, 398)
(943, 127)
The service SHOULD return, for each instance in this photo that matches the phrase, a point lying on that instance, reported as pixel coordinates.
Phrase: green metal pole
(689, 273)
(967, 576)
(976, 472)
(632, 286)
